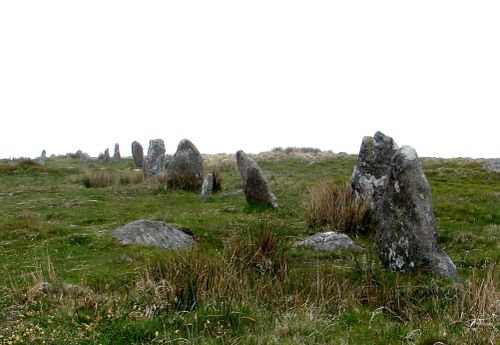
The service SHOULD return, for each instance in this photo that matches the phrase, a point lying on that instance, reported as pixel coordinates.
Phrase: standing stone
(370, 174)
(155, 160)
(137, 154)
(43, 155)
(207, 187)
(107, 158)
(407, 235)
(493, 165)
(116, 155)
(185, 169)
(255, 185)
(85, 157)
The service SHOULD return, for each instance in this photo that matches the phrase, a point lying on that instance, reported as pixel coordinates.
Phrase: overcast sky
(250, 75)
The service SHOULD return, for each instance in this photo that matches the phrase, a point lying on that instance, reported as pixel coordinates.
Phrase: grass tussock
(336, 206)
(98, 178)
(186, 182)
(248, 288)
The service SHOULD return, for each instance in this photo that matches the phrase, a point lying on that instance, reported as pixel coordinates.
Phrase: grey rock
(106, 158)
(207, 187)
(255, 185)
(185, 169)
(137, 154)
(156, 233)
(493, 165)
(43, 155)
(116, 155)
(372, 168)
(77, 155)
(167, 160)
(328, 241)
(407, 235)
(85, 156)
(154, 163)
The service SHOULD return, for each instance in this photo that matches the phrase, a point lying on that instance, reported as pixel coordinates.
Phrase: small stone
(207, 187)
(329, 241)
(155, 233)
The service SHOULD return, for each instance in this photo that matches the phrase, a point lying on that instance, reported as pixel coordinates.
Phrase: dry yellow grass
(336, 206)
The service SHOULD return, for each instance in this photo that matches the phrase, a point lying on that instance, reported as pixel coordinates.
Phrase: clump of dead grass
(336, 206)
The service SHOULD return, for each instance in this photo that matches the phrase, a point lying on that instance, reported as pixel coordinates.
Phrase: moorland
(64, 280)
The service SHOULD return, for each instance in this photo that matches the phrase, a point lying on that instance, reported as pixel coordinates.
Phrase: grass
(337, 207)
(64, 280)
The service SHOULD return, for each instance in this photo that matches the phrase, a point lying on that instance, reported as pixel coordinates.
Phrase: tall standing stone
(137, 154)
(185, 169)
(407, 235)
(372, 168)
(155, 160)
(116, 155)
(255, 185)
(43, 155)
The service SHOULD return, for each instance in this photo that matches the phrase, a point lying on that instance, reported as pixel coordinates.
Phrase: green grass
(64, 280)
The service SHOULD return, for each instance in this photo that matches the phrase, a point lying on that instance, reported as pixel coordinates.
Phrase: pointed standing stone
(137, 154)
(372, 168)
(155, 160)
(407, 235)
(255, 185)
(107, 158)
(116, 155)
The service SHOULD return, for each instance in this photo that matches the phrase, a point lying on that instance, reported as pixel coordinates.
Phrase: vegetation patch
(337, 207)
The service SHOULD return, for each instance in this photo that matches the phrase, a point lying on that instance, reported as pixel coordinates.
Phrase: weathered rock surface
(43, 155)
(328, 241)
(154, 163)
(373, 166)
(116, 155)
(207, 187)
(255, 185)
(137, 154)
(154, 233)
(493, 165)
(407, 235)
(185, 169)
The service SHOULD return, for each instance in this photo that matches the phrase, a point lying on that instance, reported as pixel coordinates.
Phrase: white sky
(250, 75)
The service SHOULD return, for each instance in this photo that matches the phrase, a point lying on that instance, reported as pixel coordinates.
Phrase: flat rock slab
(155, 233)
(328, 241)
